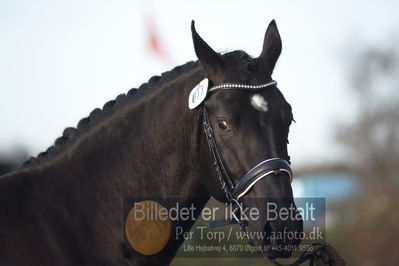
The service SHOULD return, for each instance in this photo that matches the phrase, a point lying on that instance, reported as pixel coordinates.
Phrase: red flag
(155, 44)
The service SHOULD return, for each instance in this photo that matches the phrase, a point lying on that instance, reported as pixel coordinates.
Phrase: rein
(305, 256)
(267, 167)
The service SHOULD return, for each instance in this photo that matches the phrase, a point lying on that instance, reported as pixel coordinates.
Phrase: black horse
(65, 206)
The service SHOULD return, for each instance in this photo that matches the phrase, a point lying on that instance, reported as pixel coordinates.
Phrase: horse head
(248, 122)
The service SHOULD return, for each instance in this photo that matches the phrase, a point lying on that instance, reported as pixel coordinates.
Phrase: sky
(61, 59)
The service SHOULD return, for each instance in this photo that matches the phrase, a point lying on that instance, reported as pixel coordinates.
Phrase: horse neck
(146, 148)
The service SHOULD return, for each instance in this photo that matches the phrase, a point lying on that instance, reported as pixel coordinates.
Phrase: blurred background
(339, 69)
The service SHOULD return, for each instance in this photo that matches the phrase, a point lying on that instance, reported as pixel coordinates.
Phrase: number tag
(198, 94)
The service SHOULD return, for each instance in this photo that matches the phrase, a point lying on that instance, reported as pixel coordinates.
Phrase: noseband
(265, 168)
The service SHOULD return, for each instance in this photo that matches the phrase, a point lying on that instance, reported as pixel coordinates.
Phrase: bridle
(267, 167)
(234, 192)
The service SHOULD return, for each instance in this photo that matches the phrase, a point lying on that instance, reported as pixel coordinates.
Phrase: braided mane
(71, 133)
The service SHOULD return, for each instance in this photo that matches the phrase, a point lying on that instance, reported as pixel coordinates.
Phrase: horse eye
(222, 124)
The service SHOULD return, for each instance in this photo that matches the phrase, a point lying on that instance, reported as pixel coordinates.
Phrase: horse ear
(271, 46)
(210, 60)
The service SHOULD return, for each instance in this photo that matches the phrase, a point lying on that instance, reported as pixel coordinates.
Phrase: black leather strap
(319, 249)
(224, 178)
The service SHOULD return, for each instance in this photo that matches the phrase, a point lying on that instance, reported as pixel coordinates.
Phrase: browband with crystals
(230, 86)
(199, 93)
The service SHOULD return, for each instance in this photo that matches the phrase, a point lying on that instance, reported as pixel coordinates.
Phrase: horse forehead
(263, 101)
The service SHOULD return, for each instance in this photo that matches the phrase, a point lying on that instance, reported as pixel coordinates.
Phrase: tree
(372, 142)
